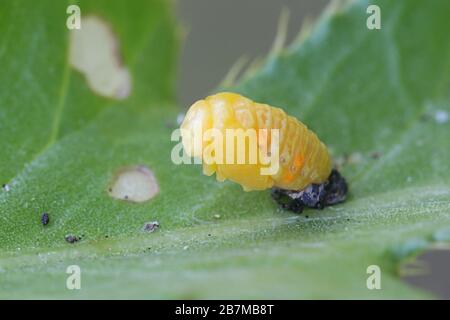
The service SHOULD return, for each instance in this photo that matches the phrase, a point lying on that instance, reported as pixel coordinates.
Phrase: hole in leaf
(135, 184)
(94, 51)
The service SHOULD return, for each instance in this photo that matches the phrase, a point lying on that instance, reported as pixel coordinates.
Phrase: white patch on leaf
(136, 184)
(94, 51)
(441, 116)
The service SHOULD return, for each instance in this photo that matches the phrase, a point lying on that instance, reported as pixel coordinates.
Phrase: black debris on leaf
(285, 201)
(45, 219)
(313, 195)
(375, 155)
(72, 239)
(336, 189)
(316, 196)
(151, 226)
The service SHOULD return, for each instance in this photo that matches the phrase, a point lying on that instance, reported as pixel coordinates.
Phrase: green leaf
(365, 92)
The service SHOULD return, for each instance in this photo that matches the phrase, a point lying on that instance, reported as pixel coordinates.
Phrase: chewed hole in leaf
(135, 184)
(94, 51)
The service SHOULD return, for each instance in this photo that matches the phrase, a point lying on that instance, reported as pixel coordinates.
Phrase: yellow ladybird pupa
(303, 158)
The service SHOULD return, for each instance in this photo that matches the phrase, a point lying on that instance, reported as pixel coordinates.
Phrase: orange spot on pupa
(288, 177)
(298, 161)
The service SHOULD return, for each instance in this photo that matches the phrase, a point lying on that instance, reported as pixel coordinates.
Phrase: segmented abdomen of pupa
(303, 158)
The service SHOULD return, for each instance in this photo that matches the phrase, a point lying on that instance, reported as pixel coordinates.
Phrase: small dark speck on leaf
(151, 226)
(5, 187)
(375, 155)
(72, 239)
(45, 218)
